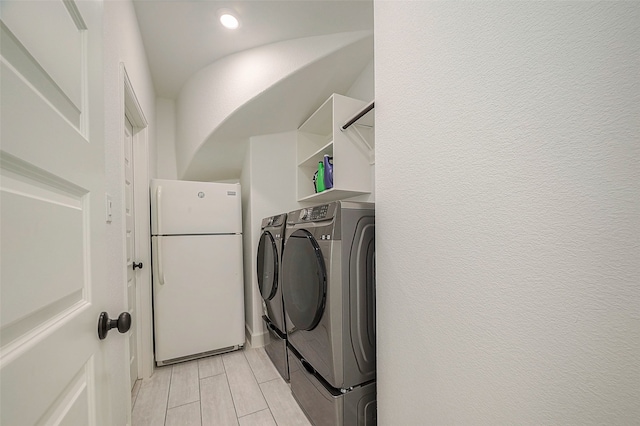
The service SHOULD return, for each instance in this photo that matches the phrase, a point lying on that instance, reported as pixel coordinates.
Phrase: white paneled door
(130, 238)
(52, 364)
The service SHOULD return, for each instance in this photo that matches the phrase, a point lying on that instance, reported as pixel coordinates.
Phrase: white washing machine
(328, 281)
(269, 283)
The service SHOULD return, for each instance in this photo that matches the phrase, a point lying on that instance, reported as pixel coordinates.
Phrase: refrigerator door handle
(160, 261)
(158, 210)
(159, 230)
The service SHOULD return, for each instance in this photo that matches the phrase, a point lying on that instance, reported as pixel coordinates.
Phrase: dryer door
(304, 280)
(267, 266)
(362, 312)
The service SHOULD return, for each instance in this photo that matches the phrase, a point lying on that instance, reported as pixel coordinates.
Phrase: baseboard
(255, 340)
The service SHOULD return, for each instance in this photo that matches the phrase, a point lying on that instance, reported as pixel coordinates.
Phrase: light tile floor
(238, 388)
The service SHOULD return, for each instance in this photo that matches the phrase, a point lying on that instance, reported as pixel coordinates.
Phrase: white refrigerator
(198, 290)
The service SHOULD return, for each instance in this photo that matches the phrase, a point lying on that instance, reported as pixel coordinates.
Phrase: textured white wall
(122, 44)
(166, 138)
(508, 212)
(272, 163)
(247, 241)
(362, 88)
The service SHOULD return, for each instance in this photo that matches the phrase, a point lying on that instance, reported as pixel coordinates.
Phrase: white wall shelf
(332, 195)
(320, 135)
(312, 160)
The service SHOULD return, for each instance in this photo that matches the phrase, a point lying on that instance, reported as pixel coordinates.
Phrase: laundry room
(286, 152)
(412, 212)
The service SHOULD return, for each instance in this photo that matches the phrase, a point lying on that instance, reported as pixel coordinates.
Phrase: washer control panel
(274, 221)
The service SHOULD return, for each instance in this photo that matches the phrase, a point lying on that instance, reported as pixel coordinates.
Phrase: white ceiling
(183, 36)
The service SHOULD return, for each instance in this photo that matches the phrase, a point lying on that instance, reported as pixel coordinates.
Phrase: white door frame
(132, 109)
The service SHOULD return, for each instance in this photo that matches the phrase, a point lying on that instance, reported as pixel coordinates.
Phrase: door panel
(54, 40)
(129, 215)
(200, 306)
(195, 208)
(52, 196)
(268, 266)
(362, 297)
(18, 57)
(53, 216)
(69, 371)
(304, 279)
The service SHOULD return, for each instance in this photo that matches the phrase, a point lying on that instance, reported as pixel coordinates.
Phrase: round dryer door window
(267, 266)
(304, 280)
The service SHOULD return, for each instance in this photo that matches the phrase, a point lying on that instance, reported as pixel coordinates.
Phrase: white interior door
(52, 367)
(130, 249)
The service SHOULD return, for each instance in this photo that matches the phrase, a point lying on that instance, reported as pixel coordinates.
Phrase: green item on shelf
(320, 179)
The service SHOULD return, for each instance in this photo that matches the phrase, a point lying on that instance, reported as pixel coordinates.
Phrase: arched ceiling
(183, 36)
(282, 105)
(268, 76)
(260, 91)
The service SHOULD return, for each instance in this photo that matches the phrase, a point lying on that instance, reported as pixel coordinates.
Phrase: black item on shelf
(315, 178)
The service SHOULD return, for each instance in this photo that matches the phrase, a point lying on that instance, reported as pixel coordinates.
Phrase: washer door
(267, 266)
(304, 279)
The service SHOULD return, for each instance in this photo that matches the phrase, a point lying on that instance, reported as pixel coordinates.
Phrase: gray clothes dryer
(269, 283)
(328, 280)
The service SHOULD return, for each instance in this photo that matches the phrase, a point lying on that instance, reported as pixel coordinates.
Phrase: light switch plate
(109, 206)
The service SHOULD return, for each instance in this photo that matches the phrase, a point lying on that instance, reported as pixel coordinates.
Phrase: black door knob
(123, 323)
(137, 265)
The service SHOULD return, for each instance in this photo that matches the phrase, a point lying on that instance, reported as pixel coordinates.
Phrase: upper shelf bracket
(353, 121)
(358, 115)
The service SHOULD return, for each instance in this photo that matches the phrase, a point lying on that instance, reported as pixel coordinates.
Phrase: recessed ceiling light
(229, 21)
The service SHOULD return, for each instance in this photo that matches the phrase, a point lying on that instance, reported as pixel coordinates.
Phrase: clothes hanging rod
(358, 116)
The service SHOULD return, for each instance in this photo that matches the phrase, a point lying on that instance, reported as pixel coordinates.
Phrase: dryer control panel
(311, 214)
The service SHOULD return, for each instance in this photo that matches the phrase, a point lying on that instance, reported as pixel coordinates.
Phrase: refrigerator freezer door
(200, 306)
(189, 208)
